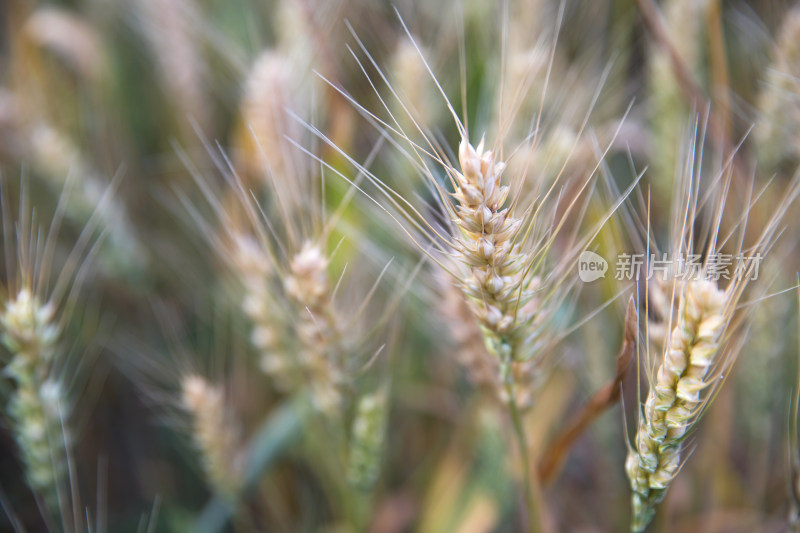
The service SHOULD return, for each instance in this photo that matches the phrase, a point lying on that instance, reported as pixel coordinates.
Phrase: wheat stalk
(319, 357)
(281, 265)
(497, 284)
(70, 36)
(59, 159)
(499, 257)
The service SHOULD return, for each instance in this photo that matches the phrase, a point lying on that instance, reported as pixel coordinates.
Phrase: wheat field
(354, 265)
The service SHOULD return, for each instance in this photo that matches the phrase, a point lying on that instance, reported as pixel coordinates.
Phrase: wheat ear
(778, 131)
(318, 327)
(497, 285)
(683, 20)
(37, 406)
(674, 402)
(254, 269)
(268, 93)
(168, 27)
(365, 450)
(214, 436)
(366, 440)
(490, 245)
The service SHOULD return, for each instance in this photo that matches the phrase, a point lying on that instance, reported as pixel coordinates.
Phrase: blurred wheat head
(49, 371)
